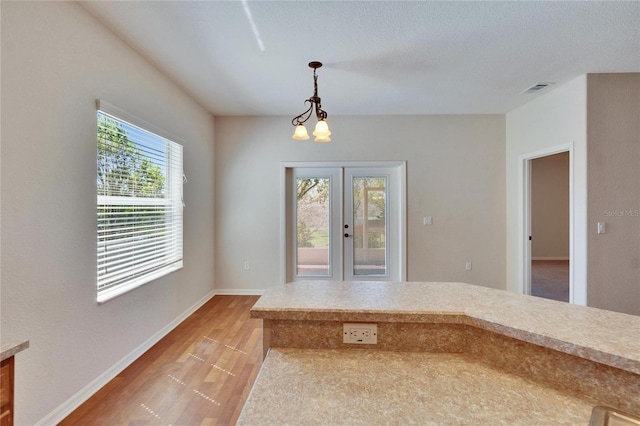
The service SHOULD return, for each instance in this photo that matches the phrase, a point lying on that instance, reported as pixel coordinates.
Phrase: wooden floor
(199, 374)
(550, 279)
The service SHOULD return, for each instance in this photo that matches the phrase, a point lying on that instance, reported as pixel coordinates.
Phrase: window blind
(139, 182)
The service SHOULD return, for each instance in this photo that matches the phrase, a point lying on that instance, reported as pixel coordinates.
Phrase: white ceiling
(380, 57)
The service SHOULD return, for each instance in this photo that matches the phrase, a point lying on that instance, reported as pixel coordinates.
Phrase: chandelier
(321, 131)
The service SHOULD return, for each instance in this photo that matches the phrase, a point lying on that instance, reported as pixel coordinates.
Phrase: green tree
(304, 235)
(318, 186)
(375, 191)
(123, 170)
(312, 214)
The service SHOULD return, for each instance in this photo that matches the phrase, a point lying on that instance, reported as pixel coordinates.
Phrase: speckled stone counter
(607, 337)
(372, 387)
(590, 353)
(9, 348)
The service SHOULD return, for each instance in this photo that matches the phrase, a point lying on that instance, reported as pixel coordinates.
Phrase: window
(139, 182)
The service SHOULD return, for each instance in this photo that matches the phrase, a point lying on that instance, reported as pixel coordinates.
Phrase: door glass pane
(369, 226)
(312, 226)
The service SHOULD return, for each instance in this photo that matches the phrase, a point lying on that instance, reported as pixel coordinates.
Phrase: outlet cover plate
(360, 333)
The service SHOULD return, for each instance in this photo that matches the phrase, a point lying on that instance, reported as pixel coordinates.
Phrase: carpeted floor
(550, 279)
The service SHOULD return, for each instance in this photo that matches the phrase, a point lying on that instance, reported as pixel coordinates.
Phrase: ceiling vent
(536, 88)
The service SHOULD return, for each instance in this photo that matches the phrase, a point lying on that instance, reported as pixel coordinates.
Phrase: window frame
(171, 204)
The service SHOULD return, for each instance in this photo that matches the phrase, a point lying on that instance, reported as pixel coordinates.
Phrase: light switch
(427, 220)
(602, 229)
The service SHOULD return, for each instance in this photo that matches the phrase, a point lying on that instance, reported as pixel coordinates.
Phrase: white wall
(455, 173)
(550, 207)
(56, 59)
(554, 119)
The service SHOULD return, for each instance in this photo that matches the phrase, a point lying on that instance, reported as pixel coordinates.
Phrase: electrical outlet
(246, 265)
(360, 333)
(467, 266)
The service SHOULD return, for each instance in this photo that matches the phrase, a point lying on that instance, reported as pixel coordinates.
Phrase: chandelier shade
(300, 134)
(321, 131)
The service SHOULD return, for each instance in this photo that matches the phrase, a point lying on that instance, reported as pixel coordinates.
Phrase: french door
(344, 221)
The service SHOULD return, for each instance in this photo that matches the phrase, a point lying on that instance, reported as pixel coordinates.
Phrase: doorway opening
(548, 221)
(550, 226)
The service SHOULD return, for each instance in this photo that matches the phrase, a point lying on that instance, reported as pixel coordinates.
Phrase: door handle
(347, 235)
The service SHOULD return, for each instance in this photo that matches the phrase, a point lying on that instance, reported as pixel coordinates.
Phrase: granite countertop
(363, 387)
(9, 348)
(606, 337)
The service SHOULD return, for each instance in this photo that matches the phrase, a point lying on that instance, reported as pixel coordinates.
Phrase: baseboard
(239, 291)
(57, 415)
(549, 258)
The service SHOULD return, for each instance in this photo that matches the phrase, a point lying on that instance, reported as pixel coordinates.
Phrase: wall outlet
(467, 266)
(246, 265)
(360, 333)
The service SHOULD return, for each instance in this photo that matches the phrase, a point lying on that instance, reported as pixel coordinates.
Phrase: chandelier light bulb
(322, 129)
(300, 134)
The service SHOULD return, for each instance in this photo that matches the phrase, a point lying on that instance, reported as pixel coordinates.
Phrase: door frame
(286, 214)
(524, 225)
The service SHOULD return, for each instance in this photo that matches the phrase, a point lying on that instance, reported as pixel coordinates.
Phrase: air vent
(536, 88)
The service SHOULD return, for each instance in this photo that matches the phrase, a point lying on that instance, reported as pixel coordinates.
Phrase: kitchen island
(444, 351)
